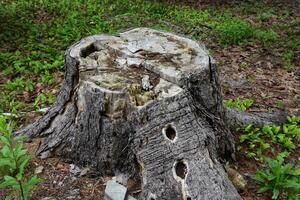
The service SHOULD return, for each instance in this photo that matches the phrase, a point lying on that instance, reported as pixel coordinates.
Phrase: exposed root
(237, 119)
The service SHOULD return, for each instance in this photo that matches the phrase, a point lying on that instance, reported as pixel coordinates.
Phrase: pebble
(75, 170)
(38, 170)
(236, 178)
(114, 191)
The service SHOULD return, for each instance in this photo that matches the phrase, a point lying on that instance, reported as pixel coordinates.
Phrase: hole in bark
(188, 198)
(181, 169)
(88, 50)
(170, 132)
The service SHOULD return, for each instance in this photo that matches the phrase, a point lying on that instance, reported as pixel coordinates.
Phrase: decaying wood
(145, 105)
(237, 119)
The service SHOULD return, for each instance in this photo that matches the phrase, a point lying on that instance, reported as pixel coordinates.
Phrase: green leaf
(285, 129)
(292, 184)
(281, 137)
(267, 130)
(248, 128)
(288, 143)
(6, 162)
(276, 129)
(295, 172)
(23, 163)
(271, 177)
(19, 151)
(275, 194)
(264, 189)
(8, 182)
(260, 176)
(265, 146)
(4, 140)
(6, 152)
(243, 138)
(19, 176)
(30, 184)
(251, 154)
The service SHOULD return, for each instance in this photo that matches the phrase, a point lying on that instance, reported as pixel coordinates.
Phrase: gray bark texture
(145, 105)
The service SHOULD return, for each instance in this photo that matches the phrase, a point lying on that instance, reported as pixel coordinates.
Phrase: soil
(58, 182)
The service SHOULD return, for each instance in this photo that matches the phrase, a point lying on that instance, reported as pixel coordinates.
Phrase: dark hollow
(88, 50)
(170, 132)
(181, 169)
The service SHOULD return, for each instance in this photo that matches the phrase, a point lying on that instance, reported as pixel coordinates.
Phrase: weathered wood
(237, 119)
(144, 105)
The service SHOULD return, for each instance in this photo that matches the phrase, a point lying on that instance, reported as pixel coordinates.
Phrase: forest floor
(256, 45)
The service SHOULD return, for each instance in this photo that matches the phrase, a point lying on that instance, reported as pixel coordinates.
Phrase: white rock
(38, 170)
(114, 191)
(75, 170)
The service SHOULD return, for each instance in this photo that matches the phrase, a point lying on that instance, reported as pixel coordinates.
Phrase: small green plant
(13, 162)
(258, 140)
(266, 37)
(256, 143)
(280, 178)
(20, 84)
(288, 60)
(41, 99)
(233, 30)
(293, 120)
(280, 104)
(239, 104)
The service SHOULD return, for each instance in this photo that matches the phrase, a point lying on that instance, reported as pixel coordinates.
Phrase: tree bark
(146, 105)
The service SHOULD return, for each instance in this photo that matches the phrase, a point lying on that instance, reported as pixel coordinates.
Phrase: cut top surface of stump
(140, 65)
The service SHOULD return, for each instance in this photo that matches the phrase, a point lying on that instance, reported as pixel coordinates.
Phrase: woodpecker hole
(170, 132)
(181, 169)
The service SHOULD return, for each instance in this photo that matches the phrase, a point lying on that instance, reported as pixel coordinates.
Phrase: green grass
(233, 30)
(35, 34)
(288, 58)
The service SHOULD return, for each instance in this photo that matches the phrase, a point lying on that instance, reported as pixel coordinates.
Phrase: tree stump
(145, 105)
